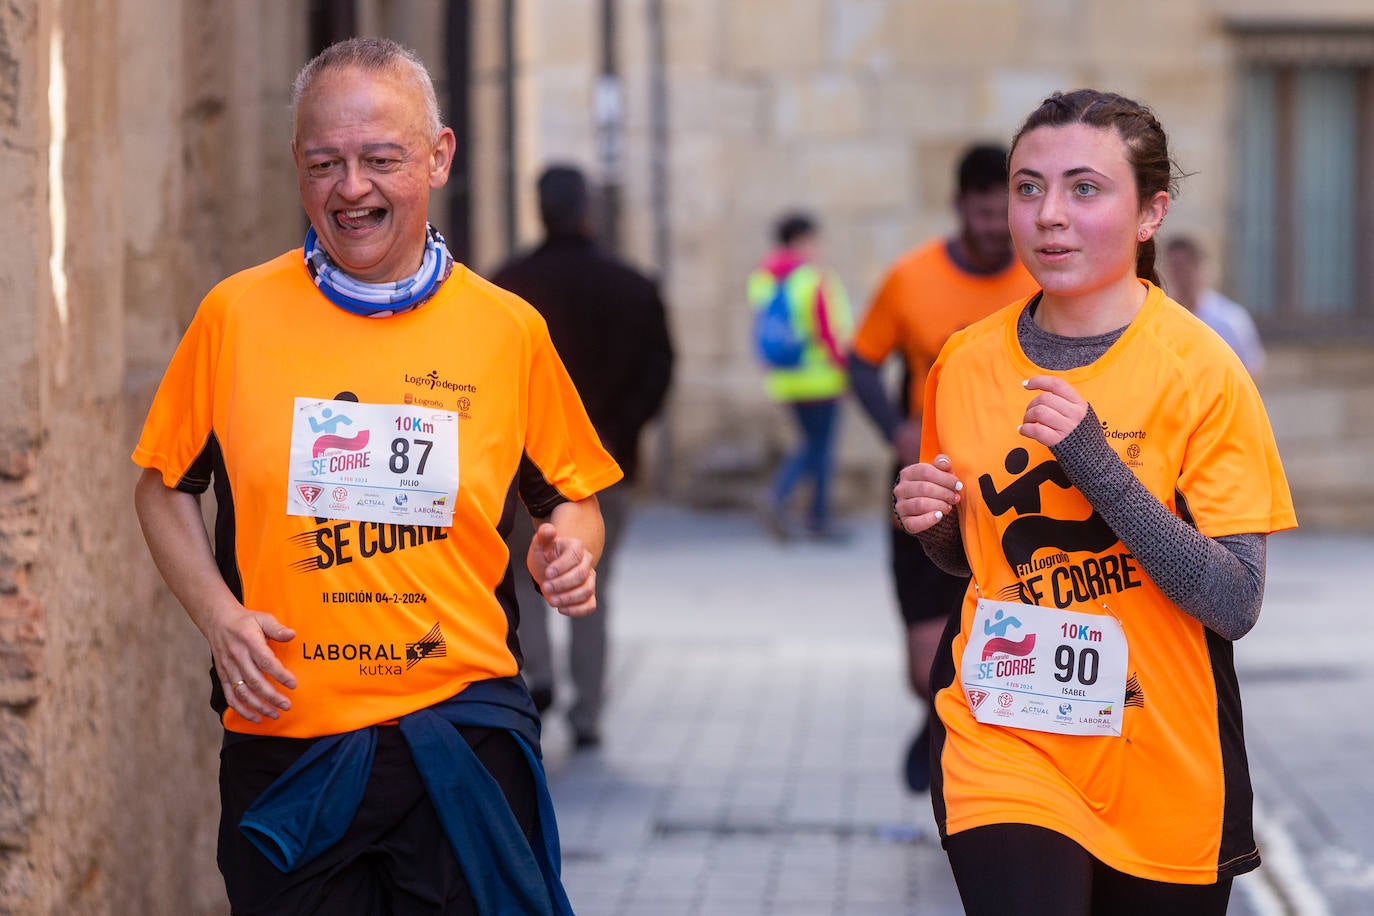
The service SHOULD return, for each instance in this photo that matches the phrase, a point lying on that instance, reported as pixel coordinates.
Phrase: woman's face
(1075, 213)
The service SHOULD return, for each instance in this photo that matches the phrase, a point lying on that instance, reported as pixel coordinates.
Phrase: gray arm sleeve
(867, 385)
(944, 544)
(1220, 581)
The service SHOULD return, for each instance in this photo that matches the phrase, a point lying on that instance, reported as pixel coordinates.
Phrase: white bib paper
(1045, 670)
(387, 463)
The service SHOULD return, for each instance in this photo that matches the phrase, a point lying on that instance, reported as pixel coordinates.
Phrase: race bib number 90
(387, 463)
(1045, 670)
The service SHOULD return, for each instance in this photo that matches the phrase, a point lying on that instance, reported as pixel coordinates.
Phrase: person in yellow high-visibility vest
(818, 307)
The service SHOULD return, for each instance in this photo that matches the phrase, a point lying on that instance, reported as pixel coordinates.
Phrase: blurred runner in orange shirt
(930, 292)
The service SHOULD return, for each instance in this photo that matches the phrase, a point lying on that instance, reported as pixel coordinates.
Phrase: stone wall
(23, 164)
(858, 110)
(1321, 402)
(108, 748)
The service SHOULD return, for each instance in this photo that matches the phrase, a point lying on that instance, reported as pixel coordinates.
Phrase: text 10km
(414, 425)
(1080, 631)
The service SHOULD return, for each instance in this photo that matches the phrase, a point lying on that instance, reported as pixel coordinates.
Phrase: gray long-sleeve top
(1218, 581)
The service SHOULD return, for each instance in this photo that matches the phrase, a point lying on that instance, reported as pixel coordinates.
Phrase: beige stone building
(143, 155)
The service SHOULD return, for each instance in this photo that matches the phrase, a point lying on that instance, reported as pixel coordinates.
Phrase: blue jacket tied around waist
(310, 806)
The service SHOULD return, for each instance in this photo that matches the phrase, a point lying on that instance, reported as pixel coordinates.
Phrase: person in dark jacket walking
(608, 324)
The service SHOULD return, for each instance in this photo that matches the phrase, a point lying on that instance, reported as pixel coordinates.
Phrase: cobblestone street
(759, 713)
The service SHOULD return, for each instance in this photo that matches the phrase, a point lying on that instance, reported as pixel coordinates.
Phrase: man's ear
(441, 158)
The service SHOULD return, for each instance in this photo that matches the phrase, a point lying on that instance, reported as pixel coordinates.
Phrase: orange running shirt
(389, 617)
(924, 298)
(1170, 799)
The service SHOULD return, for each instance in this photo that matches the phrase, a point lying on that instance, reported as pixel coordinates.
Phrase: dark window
(1302, 239)
(330, 21)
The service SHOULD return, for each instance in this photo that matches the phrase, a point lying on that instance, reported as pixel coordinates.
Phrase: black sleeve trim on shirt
(1184, 512)
(943, 674)
(196, 479)
(506, 594)
(210, 463)
(539, 496)
(1237, 853)
(226, 532)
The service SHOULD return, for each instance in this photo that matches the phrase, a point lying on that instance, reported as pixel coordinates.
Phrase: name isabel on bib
(1045, 669)
(373, 462)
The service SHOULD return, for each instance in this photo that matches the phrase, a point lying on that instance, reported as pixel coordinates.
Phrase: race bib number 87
(373, 463)
(1045, 670)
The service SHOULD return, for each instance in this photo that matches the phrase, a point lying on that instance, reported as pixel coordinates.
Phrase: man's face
(1183, 273)
(365, 166)
(983, 224)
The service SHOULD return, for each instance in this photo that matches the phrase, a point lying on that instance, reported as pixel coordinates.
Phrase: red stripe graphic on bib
(325, 443)
(1024, 646)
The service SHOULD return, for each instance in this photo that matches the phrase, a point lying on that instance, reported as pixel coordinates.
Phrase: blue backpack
(776, 340)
